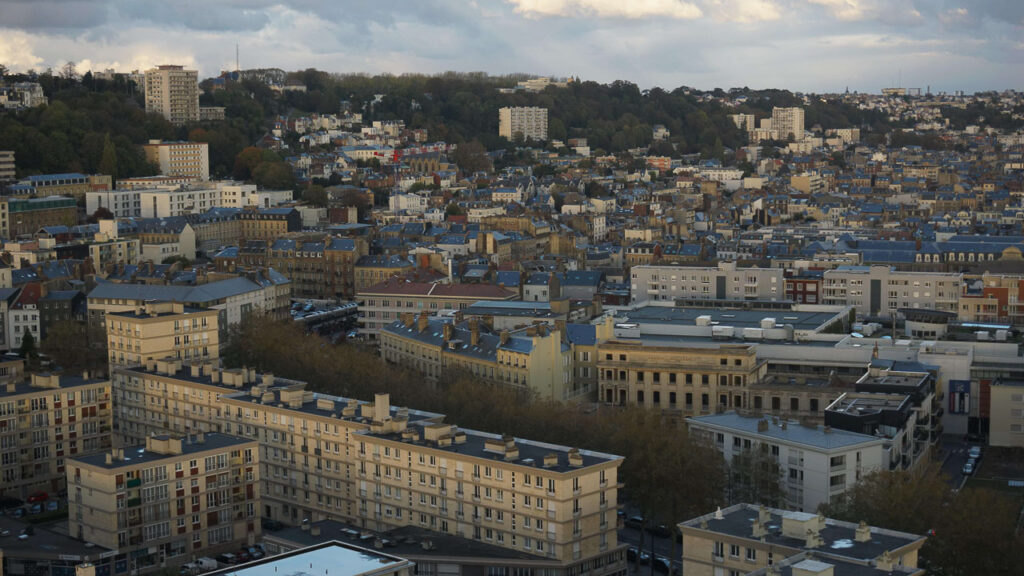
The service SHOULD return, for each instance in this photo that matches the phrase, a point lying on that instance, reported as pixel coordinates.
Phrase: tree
(315, 194)
(74, 346)
(108, 161)
(454, 209)
(472, 157)
(28, 346)
(754, 476)
(101, 213)
(274, 175)
(69, 72)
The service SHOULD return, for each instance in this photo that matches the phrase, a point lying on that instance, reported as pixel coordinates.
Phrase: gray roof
(793, 433)
(138, 455)
(201, 294)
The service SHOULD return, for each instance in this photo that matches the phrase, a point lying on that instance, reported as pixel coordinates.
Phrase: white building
(661, 285)
(529, 121)
(881, 289)
(177, 202)
(173, 92)
(407, 202)
(816, 465)
(180, 158)
(120, 203)
(788, 122)
(237, 195)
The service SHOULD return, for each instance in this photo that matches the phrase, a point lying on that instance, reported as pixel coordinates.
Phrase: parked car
(207, 563)
(636, 522)
(35, 508)
(255, 552)
(52, 505)
(968, 467)
(660, 531)
(189, 569)
(631, 553)
(38, 497)
(662, 564)
(227, 558)
(17, 513)
(974, 453)
(243, 555)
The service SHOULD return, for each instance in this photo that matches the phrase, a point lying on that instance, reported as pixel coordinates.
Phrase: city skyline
(804, 45)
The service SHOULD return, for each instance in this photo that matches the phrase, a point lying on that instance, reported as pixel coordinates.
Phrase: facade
(122, 203)
(23, 316)
(7, 165)
(73, 184)
(269, 223)
(817, 465)
(158, 330)
(382, 468)
(662, 285)
(687, 381)
(883, 290)
(27, 216)
(750, 539)
(527, 122)
(1006, 418)
(189, 159)
(173, 92)
(169, 499)
(167, 203)
(148, 182)
(383, 303)
(43, 422)
(788, 123)
(321, 269)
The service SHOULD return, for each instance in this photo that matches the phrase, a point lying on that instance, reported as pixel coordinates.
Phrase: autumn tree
(472, 157)
(755, 476)
(315, 194)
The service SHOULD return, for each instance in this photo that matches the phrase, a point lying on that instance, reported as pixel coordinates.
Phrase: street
(955, 446)
(662, 547)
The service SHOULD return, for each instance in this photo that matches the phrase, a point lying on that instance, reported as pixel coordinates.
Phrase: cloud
(744, 11)
(632, 9)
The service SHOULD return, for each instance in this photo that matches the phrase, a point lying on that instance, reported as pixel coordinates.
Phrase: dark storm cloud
(52, 14)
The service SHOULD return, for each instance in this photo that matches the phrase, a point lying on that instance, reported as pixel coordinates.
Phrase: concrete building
(1006, 416)
(662, 285)
(817, 464)
(883, 290)
(526, 122)
(167, 203)
(20, 217)
(788, 123)
(72, 184)
(44, 421)
(748, 539)
(173, 92)
(180, 158)
(166, 500)
(158, 330)
(7, 166)
(382, 467)
(121, 203)
(383, 303)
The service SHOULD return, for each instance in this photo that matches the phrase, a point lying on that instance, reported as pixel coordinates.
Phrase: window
(751, 555)
(734, 551)
(719, 550)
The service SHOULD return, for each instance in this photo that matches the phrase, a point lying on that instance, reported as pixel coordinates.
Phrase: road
(662, 547)
(953, 466)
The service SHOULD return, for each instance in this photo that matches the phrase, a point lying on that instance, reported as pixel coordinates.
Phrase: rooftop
(728, 317)
(818, 437)
(336, 558)
(139, 455)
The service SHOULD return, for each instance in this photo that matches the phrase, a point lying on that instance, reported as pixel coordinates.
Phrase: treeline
(667, 476)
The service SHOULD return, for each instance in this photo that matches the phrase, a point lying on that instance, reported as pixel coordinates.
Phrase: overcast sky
(802, 45)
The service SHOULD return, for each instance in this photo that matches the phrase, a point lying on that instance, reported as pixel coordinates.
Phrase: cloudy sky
(808, 45)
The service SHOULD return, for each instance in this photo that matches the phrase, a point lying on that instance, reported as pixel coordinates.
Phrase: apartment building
(158, 181)
(44, 421)
(7, 166)
(1006, 415)
(163, 330)
(993, 298)
(374, 269)
(662, 285)
(382, 467)
(751, 539)
(180, 201)
(269, 223)
(27, 216)
(323, 268)
(169, 499)
(383, 303)
(883, 290)
(189, 159)
(534, 358)
(817, 464)
(683, 380)
(121, 203)
(173, 92)
(527, 122)
(788, 123)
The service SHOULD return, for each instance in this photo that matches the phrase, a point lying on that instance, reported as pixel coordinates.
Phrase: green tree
(28, 345)
(454, 209)
(274, 175)
(108, 161)
(472, 157)
(315, 194)
(74, 347)
(755, 476)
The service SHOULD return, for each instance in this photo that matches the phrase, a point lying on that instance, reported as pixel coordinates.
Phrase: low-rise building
(169, 499)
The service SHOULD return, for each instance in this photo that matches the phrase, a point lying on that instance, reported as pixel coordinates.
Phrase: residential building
(269, 223)
(21, 95)
(180, 201)
(189, 159)
(44, 421)
(7, 166)
(890, 417)
(383, 303)
(662, 285)
(788, 123)
(323, 268)
(526, 122)
(169, 499)
(383, 468)
(122, 203)
(751, 539)
(158, 330)
(173, 92)
(211, 113)
(74, 185)
(58, 306)
(1006, 415)
(684, 380)
(19, 217)
(534, 359)
(883, 290)
(150, 182)
(23, 316)
(816, 464)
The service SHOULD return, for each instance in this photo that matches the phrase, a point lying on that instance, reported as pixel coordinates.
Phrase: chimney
(314, 531)
(884, 562)
(459, 317)
(504, 337)
(550, 460)
(110, 459)
(863, 532)
(449, 331)
(474, 331)
(762, 425)
(575, 458)
(423, 322)
(763, 514)
(758, 529)
(408, 319)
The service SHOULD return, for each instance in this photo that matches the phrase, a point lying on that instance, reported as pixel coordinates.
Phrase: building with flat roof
(750, 539)
(383, 303)
(7, 166)
(165, 500)
(1006, 415)
(173, 92)
(45, 420)
(163, 330)
(25, 216)
(329, 557)
(662, 285)
(187, 159)
(527, 122)
(817, 464)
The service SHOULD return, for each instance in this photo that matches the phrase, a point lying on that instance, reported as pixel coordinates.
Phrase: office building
(186, 159)
(749, 539)
(526, 122)
(44, 421)
(169, 499)
(817, 464)
(158, 330)
(173, 92)
(382, 468)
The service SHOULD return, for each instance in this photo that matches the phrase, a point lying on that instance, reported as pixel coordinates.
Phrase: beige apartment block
(662, 285)
(173, 92)
(44, 421)
(7, 165)
(883, 290)
(1006, 413)
(684, 380)
(383, 467)
(382, 304)
(158, 330)
(528, 122)
(788, 123)
(749, 539)
(189, 159)
(168, 500)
